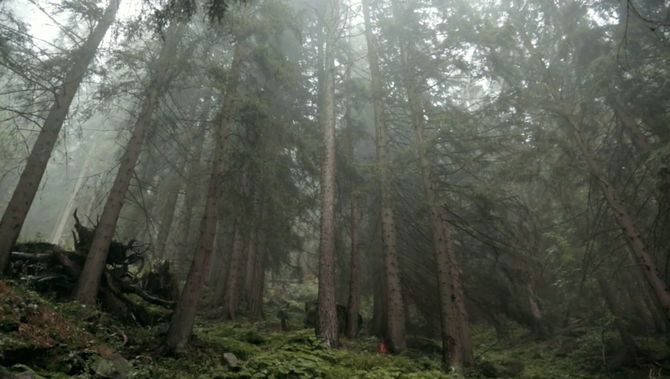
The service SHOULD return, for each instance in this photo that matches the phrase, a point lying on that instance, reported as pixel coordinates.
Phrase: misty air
(334, 189)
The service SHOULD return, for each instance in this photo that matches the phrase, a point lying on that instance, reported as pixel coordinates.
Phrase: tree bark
(633, 236)
(379, 307)
(630, 126)
(88, 284)
(395, 321)
(183, 318)
(24, 193)
(181, 253)
(456, 340)
(327, 307)
(626, 338)
(354, 304)
(254, 257)
(167, 214)
(232, 284)
(255, 283)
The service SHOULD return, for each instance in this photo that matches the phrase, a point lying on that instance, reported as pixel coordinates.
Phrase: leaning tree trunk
(24, 193)
(626, 338)
(633, 236)
(456, 340)
(630, 126)
(327, 307)
(183, 318)
(395, 322)
(661, 194)
(88, 284)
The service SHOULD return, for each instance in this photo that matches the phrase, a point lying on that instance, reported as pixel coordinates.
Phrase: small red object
(382, 348)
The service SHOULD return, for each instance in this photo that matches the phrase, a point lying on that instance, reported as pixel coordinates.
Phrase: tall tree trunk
(255, 280)
(167, 215)
(181, 251)
(646, 302)
(626, 338)
(633, 236)
(379, 308)
(630, 126)
(327, 306)
(354, 304)
(254, 256)
(24, 193)
(456, 340)
(183, 318)
(658, 238)
(88, 284)
(67, 212)
(395, 321)
(250, 265)
(232, 284)
(223, 251)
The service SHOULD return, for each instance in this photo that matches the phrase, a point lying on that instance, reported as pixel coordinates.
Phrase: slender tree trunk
(167, 215)
(646, 302)
(258, 284)
(223, 251)
(379, 308)
(456, 340)
(88, 284)
(658, 238)
(327, 306)
(232, 287)
(395, 322)
(632, 234)
(181, 253)
(24, 194)
(255, 283)
(183, 318)
(626, 338)
(67, 212)
(354, 304)
(630, 126)
(254, 256)
(250, 265)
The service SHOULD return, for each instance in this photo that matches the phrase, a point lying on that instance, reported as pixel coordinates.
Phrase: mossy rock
(18, 371)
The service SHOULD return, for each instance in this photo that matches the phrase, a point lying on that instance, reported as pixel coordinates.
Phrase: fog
(438, 166)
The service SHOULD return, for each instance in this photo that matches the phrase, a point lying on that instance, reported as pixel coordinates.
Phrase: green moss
(71, 338)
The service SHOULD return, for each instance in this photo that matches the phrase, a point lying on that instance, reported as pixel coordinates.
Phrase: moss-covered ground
(42, 338)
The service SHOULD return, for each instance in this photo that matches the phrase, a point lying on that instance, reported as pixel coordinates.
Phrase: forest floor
(43, 338)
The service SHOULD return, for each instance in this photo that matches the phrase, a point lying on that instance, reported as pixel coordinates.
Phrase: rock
(231, 360)
(19, 371)
(111, 368)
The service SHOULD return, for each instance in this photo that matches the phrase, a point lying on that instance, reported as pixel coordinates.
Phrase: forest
(334, 188)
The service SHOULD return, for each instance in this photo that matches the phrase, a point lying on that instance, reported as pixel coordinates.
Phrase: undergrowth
(41, 338)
